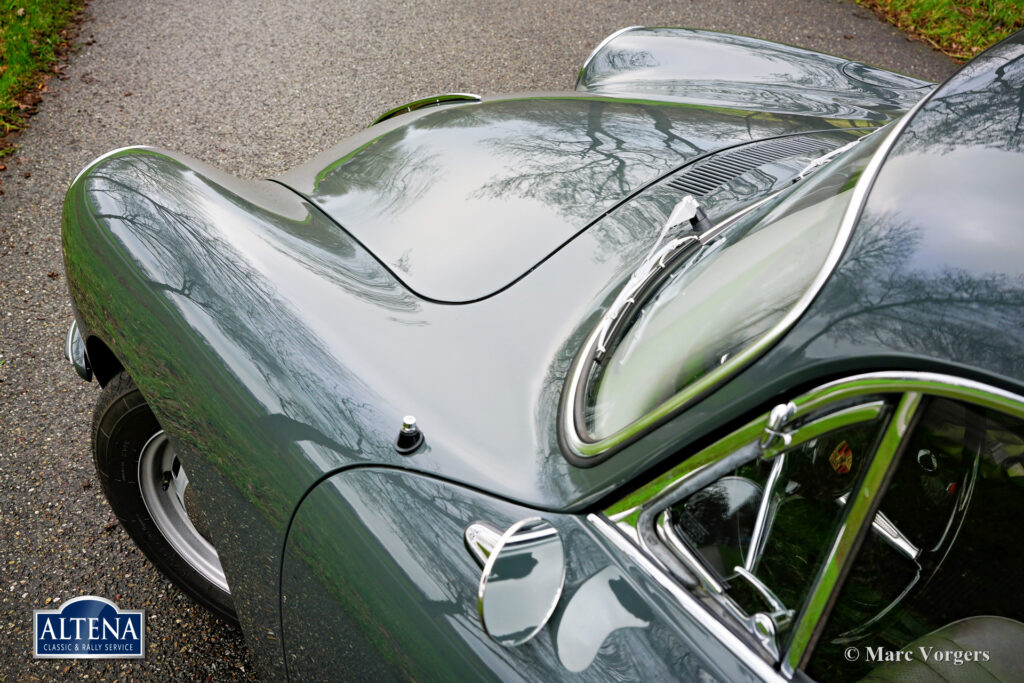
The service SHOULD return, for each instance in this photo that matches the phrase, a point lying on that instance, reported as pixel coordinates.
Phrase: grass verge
(34, 35)
(958, 28)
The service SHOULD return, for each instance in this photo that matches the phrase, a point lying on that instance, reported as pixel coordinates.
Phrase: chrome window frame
(575, 437)
(633, 521)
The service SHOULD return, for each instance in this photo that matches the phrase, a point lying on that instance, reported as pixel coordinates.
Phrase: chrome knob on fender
(409, 437)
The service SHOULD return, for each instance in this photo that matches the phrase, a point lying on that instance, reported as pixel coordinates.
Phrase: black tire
(123, 429)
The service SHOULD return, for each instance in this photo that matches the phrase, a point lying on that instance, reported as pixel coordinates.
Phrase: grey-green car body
(449, 263)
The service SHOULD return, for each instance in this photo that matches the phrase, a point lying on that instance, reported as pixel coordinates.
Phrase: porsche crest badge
(841, 458)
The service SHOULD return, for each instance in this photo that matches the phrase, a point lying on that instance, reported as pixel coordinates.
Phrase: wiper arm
(686, 211)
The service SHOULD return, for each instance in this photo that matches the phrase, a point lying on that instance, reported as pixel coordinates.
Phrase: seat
(994, 646)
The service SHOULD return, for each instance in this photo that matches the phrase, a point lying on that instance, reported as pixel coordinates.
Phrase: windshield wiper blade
(687, 211)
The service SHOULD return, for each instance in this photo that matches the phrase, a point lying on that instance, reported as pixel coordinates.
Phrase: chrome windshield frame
(582, 447)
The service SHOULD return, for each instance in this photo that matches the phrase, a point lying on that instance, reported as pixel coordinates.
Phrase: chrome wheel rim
(163, 483)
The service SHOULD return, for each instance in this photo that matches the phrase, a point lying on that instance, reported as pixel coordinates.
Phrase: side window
(762, 531)
(939, 570)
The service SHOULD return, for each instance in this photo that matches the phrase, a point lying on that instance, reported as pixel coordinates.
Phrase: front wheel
(146, 485)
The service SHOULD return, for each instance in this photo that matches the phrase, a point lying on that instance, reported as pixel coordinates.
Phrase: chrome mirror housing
(521, 582)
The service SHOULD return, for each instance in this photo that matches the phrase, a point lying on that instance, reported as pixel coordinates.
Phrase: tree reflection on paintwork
(461, 201)
(359, 562)
(985, 109)
(701, 67)
(579, 168)
(878, 301)
(231, 358)
(924, 273)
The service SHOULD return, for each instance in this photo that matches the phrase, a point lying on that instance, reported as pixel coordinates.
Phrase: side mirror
(522, 582)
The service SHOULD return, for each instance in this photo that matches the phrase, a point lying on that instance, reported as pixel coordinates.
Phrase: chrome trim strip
(583, 448)
(770, 597)
(628, 510)
(806, 406)
(931, 383)
(693, 607)
(426, 102)
(857, 512)
(69, 340)
(801, 434)
(600, 46)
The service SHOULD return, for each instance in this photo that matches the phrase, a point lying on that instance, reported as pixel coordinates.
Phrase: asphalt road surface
(254, 87)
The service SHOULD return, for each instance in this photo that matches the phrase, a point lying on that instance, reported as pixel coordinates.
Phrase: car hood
(461, 201)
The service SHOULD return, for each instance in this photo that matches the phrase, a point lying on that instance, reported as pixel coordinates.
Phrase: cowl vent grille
(704, 176)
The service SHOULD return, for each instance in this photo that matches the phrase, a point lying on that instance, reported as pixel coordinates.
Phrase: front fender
(704, 67)
(220, 297)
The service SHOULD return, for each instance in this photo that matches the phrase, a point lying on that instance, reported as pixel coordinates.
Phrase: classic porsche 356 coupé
(712, 368)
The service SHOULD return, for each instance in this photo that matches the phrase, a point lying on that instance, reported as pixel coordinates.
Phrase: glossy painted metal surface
(739, 647)
(584, 445)
(934, 267)
(233, 307)
(264, 336)
(460, 202)
(164, 263)
(375, 592)
(703, 67)
(931, 280)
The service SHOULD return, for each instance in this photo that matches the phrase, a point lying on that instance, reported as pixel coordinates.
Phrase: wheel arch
(104, 362)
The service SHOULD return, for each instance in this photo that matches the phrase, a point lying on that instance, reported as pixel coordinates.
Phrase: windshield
(718, 303)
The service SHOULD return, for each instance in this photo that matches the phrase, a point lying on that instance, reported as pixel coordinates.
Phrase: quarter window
(767, 525)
